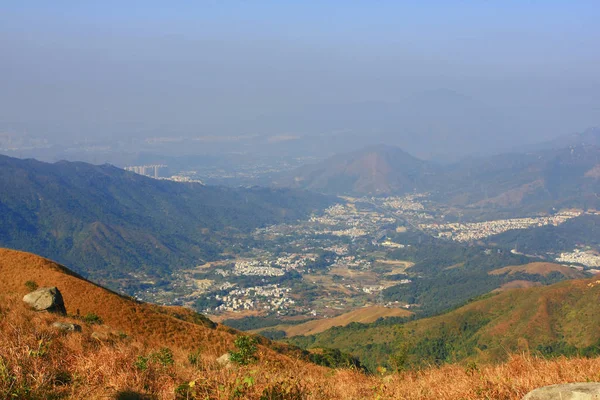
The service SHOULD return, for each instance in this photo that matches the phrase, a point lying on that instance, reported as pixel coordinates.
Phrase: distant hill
(107, 223)
(375, 170)
(532, 182)
(549, 321)
(537, 181)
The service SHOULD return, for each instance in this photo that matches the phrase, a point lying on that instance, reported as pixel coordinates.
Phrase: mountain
(589, 137)
(375, 170)
(551, 320)
(538, 181)
(109, 223)
(514, 182)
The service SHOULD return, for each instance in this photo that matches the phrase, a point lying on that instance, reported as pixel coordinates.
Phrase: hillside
(108, 223)
(580, 231)
(527, 182)
(375, 170)
(539, 268)
(551, 320)
(154, 325)
(141, 351)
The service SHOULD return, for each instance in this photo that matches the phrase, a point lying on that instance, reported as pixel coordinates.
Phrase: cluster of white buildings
(268, 297)
(406, 203)
(294, 261)
(351, 262)
(577, 256)
(465, 232)
(256, 268)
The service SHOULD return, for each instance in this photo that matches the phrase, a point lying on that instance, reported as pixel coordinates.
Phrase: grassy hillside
(151, 352)
(539, 268)
(550, 320)
(107, 222)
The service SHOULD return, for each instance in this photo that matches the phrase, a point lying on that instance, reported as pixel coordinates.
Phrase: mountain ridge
(99, 219)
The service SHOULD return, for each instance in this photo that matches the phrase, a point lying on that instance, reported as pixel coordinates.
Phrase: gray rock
(46, 299)
(225, 360)
(569, 391)
(67, 327)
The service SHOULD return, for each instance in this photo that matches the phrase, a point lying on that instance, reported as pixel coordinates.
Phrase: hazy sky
(114, 68)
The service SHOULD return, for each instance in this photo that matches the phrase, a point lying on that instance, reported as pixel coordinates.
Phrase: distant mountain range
(373, 170)
(568, 176)
(107, 222)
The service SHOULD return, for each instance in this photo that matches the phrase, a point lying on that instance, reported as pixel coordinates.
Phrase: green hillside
(551, 320)
(106, 222)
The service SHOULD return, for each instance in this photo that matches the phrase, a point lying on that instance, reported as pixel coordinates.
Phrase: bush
(92, 318)
(247, 349)
(163, 357)
(31, 285)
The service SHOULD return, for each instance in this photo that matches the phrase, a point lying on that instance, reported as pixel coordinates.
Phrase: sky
(489, 72)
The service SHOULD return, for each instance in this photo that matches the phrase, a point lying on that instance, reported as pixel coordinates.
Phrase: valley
(398, 253)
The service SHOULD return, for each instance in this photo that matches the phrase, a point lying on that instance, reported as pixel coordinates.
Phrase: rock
(46, 299)
(67, 327)
(569, 391)
(225, 360)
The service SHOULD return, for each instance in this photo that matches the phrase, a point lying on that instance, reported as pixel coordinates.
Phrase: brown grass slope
(39, 362)
(540, 268)
(151, 324)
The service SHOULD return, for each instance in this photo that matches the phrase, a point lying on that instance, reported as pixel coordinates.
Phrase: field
(362, 315)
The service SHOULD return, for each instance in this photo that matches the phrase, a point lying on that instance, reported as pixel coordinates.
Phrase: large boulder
(46, 299)
(569, 391)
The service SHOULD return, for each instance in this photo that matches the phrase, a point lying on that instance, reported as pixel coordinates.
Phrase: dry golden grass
(37, 361)
(518, 284)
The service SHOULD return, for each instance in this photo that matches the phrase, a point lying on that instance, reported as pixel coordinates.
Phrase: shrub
(92, 318)
(163, 357)
(31, 285)
(246, 352)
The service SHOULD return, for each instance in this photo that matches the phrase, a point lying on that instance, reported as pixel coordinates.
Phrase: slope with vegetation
(553, 320)
(107, 222)
(136, 359)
